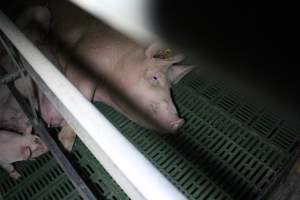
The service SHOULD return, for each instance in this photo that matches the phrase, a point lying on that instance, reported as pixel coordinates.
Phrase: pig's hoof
(67, 137)
(15, 175)
(68, 146)
(67, 141)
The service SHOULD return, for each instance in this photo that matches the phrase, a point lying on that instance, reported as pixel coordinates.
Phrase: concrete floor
(289, 188)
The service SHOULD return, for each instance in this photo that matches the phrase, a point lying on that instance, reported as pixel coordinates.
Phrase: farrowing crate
(229, 149)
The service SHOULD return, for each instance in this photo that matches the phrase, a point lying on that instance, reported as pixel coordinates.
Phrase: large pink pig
(131, 78)
(15, 147)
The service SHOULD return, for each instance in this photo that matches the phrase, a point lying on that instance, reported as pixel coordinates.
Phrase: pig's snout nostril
(175, 125)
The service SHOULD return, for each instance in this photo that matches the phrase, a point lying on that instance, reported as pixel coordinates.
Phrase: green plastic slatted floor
(228, 149)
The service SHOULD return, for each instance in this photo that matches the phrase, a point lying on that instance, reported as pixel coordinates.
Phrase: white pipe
(130, 17)
(131, 170)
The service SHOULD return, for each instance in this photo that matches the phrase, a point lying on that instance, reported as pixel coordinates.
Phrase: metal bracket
(11, 77)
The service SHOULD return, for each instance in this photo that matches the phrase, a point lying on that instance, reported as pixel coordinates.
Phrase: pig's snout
(166, 114)
(164, 106)
(175, 125)
(172, 116)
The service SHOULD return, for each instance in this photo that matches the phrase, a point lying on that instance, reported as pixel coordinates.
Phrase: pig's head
(148, 85)
(33, 147)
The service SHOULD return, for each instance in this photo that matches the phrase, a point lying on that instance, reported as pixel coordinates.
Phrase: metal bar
(10, 77)
(130, 169)
(14, 56)
(60, 158)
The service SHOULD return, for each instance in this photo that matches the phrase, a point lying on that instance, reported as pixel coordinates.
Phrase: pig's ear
(26, 152)
(152, 50)
(175, 58)
(177, 72)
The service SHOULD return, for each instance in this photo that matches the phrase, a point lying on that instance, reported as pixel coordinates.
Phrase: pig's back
(71, 24)
(65, 20)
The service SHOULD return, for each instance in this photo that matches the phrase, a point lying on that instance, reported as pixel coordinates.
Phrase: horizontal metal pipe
(9, 77)
(130, 169)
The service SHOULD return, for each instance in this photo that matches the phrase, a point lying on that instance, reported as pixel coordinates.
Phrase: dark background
(254, 42)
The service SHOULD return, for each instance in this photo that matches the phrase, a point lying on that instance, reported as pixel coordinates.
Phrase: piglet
(15, 147)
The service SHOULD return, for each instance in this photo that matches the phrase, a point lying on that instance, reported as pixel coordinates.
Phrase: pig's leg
(86, 87)
(10, 169)
(67, 137)
(80, 80)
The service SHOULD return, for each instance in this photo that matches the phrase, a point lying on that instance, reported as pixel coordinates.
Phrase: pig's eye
(154, 79)
(36, 141)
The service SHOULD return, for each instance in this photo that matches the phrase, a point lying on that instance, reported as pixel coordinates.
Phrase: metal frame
(10, 77)
(60, 158)
(130, 169)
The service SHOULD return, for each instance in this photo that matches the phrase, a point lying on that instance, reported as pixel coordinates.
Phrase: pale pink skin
(15, 147)
(147, 81)
(132, 73)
